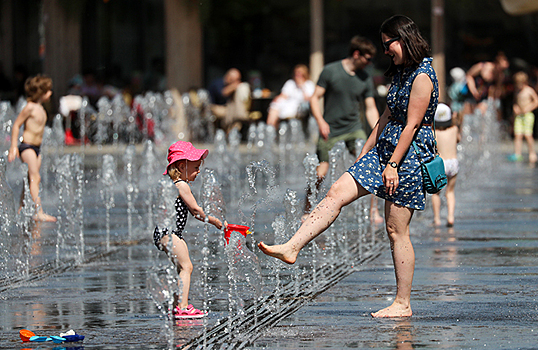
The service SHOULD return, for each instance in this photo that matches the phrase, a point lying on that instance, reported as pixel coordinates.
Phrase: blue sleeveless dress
(367, 171)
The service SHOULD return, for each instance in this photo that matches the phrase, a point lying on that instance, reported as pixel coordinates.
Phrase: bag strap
(434, 142)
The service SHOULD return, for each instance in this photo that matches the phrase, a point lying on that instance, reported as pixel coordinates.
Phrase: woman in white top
(293, 99)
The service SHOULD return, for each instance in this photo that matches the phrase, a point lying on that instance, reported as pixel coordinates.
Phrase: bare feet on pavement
(278, 251)
(395, 310)
(42, 217)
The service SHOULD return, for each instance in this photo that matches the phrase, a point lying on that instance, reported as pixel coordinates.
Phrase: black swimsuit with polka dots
(181, 220)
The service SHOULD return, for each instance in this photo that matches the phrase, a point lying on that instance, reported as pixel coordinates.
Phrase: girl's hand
(218, 224)
(390, 179)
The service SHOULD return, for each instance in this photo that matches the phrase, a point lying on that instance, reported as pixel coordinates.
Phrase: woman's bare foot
(279, 252)
(395, 310)
(42, 217)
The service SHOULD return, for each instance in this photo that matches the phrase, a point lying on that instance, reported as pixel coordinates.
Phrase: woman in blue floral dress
(387, 166)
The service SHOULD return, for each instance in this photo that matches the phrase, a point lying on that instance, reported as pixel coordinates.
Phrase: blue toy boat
(73, 338)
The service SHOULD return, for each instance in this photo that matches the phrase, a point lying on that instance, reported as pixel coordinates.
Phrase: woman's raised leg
(403, 257)
(344, 191)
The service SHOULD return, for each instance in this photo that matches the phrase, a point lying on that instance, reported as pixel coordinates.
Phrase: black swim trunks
(24, 146)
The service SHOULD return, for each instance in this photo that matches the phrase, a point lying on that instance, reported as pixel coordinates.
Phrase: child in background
(447, 136)
(33, 118)
(184, 162)
(457, 91)
(526, 100)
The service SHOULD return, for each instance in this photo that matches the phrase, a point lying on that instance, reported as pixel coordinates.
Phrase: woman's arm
(419, 99)
(376, 131)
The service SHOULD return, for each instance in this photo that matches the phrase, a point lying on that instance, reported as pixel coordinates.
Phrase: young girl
(447, 135)
(184, 162)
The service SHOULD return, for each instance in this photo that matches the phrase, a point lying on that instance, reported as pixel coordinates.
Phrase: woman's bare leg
(403, 257)
(344, 191)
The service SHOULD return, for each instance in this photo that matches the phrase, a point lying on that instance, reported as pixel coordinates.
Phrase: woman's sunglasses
(387, 43)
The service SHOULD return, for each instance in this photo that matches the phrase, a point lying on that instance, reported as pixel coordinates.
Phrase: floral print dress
(367, 170)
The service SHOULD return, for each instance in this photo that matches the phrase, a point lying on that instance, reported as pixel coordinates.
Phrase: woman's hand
(390, 179)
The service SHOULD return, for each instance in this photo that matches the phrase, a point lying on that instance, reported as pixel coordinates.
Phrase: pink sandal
(189, 312)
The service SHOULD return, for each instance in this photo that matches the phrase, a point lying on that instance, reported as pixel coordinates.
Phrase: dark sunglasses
(387, 43)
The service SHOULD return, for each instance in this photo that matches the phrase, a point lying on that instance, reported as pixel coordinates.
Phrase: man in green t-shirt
(344, 85)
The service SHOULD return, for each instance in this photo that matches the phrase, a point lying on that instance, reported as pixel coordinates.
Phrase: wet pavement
(474, 286)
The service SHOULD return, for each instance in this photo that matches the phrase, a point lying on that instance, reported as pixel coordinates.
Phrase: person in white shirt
(293, 99)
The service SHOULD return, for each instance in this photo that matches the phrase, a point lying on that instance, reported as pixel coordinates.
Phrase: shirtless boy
(526, 100)
(33, 117)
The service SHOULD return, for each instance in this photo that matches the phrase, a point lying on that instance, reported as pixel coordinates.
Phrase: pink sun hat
(184, 150)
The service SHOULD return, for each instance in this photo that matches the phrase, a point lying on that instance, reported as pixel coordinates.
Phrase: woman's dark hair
(415, 47)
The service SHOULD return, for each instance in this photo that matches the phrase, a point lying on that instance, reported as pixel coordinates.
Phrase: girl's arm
(418, 104)
(194, 208)
(21, 119)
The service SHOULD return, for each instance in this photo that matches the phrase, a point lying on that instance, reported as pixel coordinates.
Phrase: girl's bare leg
(179, 254)
(450, 200)
(344, 191)
(436, 206)
(403, 257)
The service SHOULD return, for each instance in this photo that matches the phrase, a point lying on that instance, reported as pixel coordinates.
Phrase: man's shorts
(324, 146)
(524, 124)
